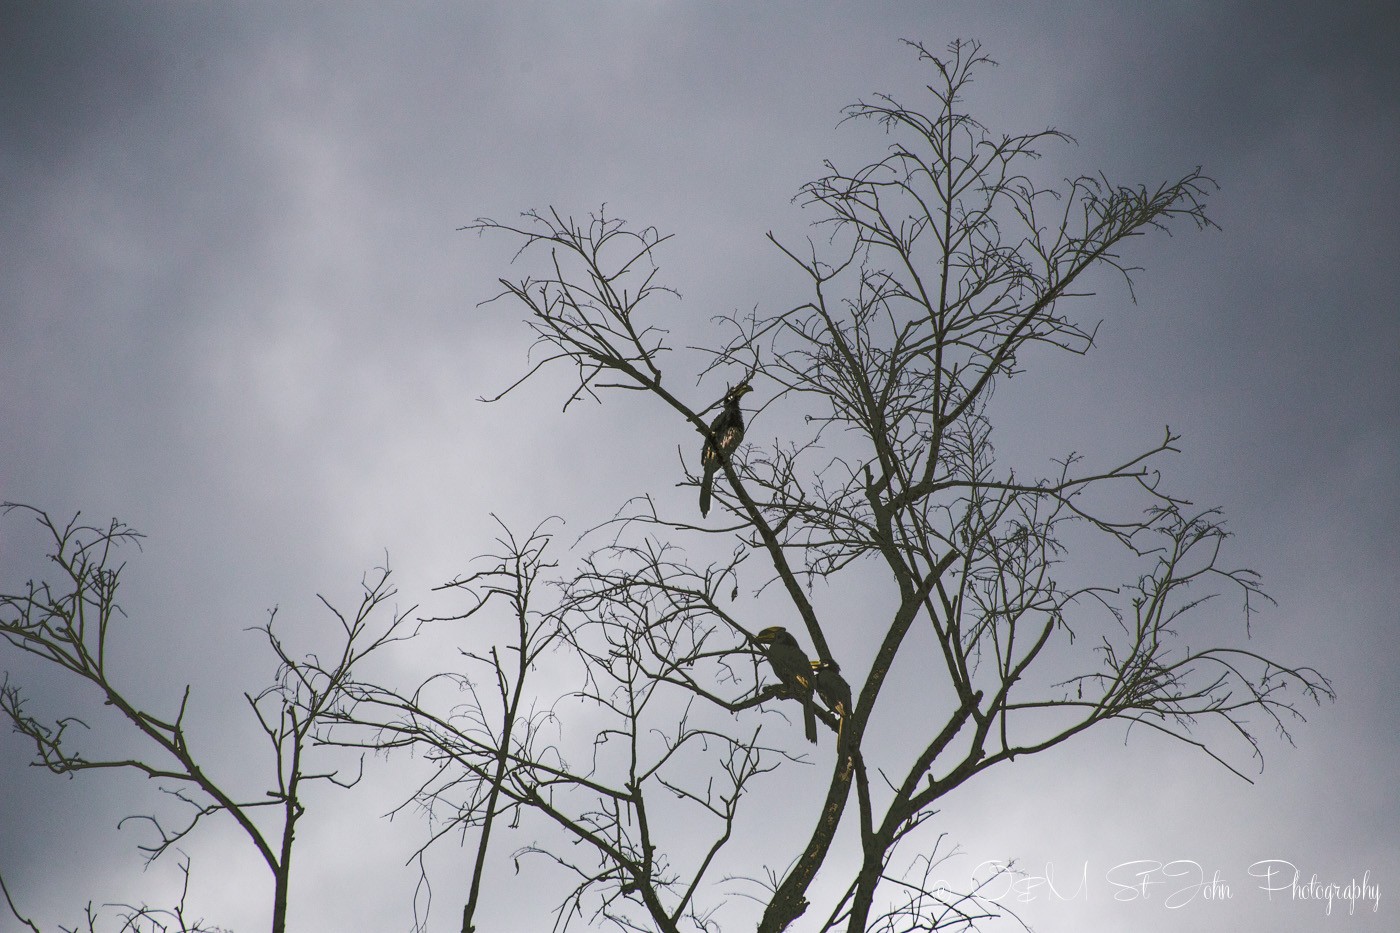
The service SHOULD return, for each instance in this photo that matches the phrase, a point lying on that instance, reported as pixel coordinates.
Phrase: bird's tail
(706, 486)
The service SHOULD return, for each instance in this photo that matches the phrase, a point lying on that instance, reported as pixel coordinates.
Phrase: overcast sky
(236, 313)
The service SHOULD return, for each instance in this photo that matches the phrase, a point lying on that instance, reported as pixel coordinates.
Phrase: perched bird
(790, 663)
(726, 433)
(834, 692)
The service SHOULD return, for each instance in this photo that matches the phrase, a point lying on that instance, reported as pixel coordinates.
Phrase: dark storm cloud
(68, 73)
(1294, 112)
(233, 311)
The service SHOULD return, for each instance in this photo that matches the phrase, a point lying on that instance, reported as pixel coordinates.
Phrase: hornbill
(726, 432)
(834, 691)
(790, 663)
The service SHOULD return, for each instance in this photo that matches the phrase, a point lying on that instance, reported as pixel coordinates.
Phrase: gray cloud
(235, 312)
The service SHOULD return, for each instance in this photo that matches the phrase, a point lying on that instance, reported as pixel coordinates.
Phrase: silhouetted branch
(946, 265)
(69, 624)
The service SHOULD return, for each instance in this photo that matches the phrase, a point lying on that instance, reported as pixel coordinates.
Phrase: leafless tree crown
(632, 724)
(942, 266)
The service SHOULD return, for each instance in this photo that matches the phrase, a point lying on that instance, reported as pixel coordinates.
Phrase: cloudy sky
(235, 312)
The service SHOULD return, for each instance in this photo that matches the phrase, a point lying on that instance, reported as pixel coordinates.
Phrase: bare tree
(629, 723)
(130, 917)
(944, 268)
(70, 624)
(481, 753)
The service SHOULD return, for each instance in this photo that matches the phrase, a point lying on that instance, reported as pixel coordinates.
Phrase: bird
(726, 433)
(790, 663)
(828, 684)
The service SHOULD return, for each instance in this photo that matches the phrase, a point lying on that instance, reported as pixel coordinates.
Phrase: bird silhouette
(790, 664)
(835, 693)
(726, 433)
